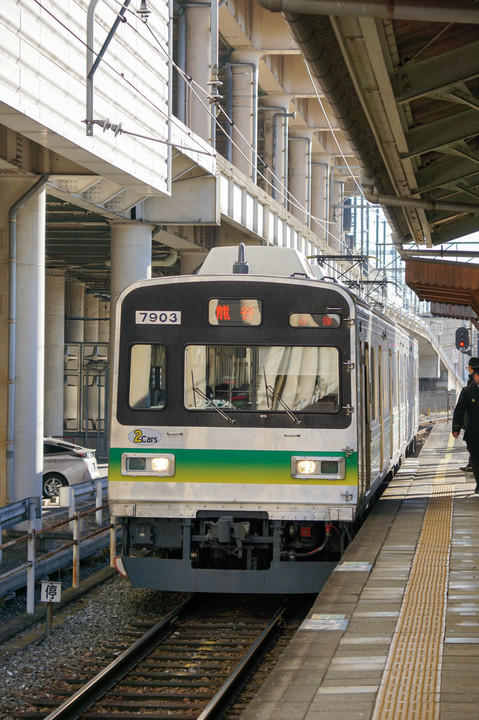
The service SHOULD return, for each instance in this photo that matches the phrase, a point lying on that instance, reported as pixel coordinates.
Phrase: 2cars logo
(144, 436)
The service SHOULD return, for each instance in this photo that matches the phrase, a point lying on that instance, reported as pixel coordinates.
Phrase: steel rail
(223, 696)
(97, 687)
(117, 669)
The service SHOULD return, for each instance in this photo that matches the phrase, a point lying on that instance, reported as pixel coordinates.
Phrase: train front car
(234, 464)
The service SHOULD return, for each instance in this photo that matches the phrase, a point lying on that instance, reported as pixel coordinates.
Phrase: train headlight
(323, 468)
(306, 467)
(160, 464)
(138, 464)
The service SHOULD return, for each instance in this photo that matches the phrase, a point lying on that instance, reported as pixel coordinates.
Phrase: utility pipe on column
(254, 141)
(285, 115)
(309, 141)
(326, 187)
(12, 319)
(181, 61)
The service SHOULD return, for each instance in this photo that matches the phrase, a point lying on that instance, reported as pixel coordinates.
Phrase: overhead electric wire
(120, 130)
(211, 99)
(168, 117)
(278, 184)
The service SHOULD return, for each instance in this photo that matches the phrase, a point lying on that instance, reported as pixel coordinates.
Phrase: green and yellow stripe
(250, 467)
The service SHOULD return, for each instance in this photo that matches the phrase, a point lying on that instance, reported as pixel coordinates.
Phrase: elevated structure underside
(402, 79)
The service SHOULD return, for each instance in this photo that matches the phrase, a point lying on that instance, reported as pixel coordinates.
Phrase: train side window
(147, 381)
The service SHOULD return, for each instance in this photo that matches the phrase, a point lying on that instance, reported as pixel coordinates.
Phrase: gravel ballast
(79, 638)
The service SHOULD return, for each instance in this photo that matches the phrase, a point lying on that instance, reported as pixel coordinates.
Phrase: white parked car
(65, 463)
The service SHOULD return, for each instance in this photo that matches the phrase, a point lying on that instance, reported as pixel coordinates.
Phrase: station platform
(394, 634)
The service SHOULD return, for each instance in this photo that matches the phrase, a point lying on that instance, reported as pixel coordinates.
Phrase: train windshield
(262, 378)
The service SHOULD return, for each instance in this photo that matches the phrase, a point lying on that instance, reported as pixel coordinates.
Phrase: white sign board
(51, 591)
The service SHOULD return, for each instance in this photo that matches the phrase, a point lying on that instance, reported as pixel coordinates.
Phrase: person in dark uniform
(473, 362)
(468, 401)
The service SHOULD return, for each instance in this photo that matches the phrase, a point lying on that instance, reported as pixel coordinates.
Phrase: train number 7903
(158, 317)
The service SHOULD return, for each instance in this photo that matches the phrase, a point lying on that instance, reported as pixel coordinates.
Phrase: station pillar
(191, 261)
(90, 332)
(337, 195)
(198, 67)
(244, 132)
(300, 176)
(30, 349)
(320, 172)
(276, 115)
(75, 311)
(130, 261)
(103, 321)
(54, 351)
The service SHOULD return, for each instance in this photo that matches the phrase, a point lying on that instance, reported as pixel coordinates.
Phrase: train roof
(260, 259)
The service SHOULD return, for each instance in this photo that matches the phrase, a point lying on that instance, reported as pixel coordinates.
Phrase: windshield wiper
(210, 403)
(278, 398)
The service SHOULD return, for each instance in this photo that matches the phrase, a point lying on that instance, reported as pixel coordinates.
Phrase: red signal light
(462, 339)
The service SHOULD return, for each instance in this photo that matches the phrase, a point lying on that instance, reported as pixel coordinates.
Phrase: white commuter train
(256, 410)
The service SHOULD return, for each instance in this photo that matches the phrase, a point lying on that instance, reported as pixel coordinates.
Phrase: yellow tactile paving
(410, 686)
(407, 644)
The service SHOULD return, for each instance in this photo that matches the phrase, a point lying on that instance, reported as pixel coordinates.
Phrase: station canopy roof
(402, 79)
(451, 287)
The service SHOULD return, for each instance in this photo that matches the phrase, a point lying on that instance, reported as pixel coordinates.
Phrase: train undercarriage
(211, 551)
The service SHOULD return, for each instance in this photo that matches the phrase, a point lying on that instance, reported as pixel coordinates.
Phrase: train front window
(261, 378)
(147, 377)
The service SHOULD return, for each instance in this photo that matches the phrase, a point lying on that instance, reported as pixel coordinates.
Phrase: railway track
(189, 666)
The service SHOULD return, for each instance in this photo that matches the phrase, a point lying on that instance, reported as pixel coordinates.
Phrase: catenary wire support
(91, 64)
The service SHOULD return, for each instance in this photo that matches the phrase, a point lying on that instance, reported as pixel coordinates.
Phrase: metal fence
(35, 567)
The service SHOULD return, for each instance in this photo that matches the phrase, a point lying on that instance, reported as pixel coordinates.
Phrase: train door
(365, 417)
(391, 403)
(381, 407)
(398, 398)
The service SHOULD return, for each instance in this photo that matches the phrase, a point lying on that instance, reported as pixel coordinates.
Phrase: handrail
(27, 509)
(16, 512)
(32, 560)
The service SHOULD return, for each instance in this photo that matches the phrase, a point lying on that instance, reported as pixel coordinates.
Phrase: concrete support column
(75, 311)
(11, 190)
(103, 325)
(91, 323)
(337, 197)
(276, 114)
(191, 261)
(130, 261)
(320, 169)
(244, 134)
(300, 176)
(429, 363)
(198, 67)
(30, 348)
(54, 351)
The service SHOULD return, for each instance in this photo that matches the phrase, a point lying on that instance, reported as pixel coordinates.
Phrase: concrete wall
(432, 402)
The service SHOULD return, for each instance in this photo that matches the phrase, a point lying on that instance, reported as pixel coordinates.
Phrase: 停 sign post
(51, 592)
